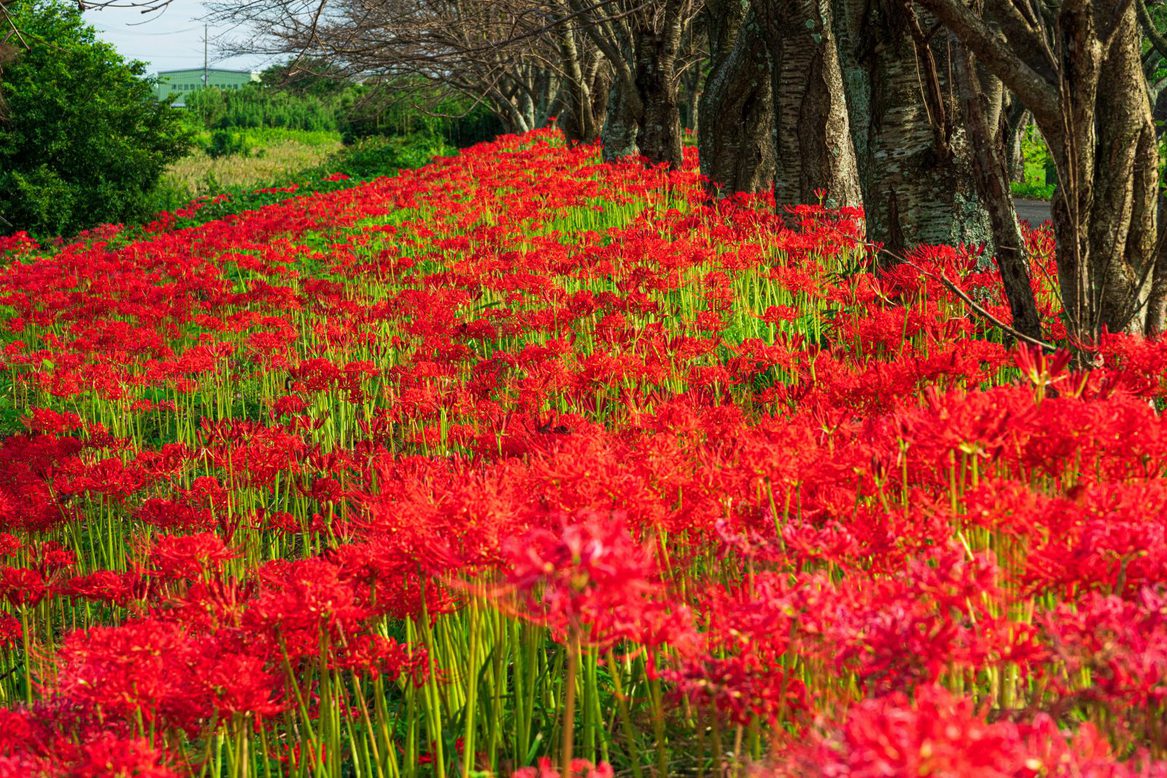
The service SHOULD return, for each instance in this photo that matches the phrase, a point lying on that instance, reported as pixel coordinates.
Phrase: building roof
(208, 70)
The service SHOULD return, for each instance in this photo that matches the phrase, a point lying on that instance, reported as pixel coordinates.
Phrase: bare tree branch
(1038, 93)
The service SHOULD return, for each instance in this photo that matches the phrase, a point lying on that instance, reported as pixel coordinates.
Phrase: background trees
(83, 141)
(912, 108)
(1077, 66)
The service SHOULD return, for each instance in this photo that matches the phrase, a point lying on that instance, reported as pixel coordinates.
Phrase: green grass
(275, 155)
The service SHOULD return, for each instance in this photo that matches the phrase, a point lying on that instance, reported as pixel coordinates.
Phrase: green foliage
(1031, 191)
(227, 144)
(315, 97)
(414, 109)
(370, 158)
(380, 156)
(84, 142)
(256, 105)
(268, 136)
(307, 76)
(1040, 178)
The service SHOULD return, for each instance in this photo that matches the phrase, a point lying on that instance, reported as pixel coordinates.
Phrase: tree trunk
(1157, 302)
(659, 135)
(691, 92)
(620, 123)
(1090, 100)
(915, 159)
(1104, 211)
(577, 118)
(850, 19)
(1017, 119)
(735, 130)
(814, 152)
(1127, 182)
(642, 45)
(987, 137)
(600, 77)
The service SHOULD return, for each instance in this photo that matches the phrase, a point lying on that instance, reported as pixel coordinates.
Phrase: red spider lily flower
(50, 422)
(740, 688)
(587, 575)
(102, 586)
(301, 601)
(938, 733)
(188, 557)
(580, 768)
(114, 757)
(11, 631)
(21, 586)
(147, 669)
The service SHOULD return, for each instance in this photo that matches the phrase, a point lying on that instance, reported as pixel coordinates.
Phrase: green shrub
(1031, 191)
(227, 144)
(381, 156)
(84, 141)
(415, 109)
(256, 105)
(1039, 166)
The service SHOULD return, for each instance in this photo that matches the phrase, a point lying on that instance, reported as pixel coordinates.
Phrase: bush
(415, 109)
(85, 141)
(256, 105)
(1039, 166)
(227, 144)
(1033, 191)
(380, 156)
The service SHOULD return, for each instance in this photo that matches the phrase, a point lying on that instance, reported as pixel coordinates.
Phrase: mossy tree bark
(915, 160)
(642, 41)
(735, 131)
(815, 152)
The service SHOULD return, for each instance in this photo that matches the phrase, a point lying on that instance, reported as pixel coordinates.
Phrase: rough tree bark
(915, 160)
(1078, 70)
(656, 51)
(618, 133)
(1016, 119)
(642, 41)
(577, 117)
(735, 140)
(814, 146)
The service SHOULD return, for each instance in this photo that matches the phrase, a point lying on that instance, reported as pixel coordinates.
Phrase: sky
(170, 39)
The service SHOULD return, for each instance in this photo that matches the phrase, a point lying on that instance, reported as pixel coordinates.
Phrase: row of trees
(908, 107)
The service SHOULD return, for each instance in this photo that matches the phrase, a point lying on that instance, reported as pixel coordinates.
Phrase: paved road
(1033, 211)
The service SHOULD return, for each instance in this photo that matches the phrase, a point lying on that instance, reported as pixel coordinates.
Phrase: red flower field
(521, 463)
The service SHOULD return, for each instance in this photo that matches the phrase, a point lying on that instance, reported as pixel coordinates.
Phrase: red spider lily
(108, 755)
(21, 586)
(785, 491)
(580, 768)
(102, 586)
(188, 556)
(587, 576)
(300, 602)
(11, 631)
(144, 670)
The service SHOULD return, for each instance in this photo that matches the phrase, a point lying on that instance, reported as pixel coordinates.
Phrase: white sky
(169, 39)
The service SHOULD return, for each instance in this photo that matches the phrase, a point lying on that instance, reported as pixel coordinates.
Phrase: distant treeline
(354, 110)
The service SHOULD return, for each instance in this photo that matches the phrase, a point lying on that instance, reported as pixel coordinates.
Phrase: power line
(116, 31)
